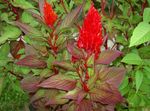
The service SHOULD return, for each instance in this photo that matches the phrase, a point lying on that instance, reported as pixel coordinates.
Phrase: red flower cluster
(49, 15)
(90, 36)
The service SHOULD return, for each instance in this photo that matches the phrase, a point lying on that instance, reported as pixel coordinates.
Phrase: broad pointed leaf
(138, 79)
(71, 17)
(9, 32)
(140, 34)
(112, 76)
(59, 82)
(108, 56)
(84, 105)
(146, 15)
(32, 61)
(106, 94)
(22, 4)
(30, 83)
(132, 58)
(27, 29)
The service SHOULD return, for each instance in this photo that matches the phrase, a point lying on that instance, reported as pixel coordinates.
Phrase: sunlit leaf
(59, 82)
(32, 61)
(106, 57)
(140, 34)
(132, 58)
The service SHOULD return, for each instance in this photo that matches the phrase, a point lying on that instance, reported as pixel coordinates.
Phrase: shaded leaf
(30, 83)
(27, 29)
(59, 82)
(1, 84)
(108, 56)
(138, 79)
(15, 46)
(38, 95)
(32, 61)
(132, 58)
(144, 52)
(41, 5)
(29, 50)
(4, 51)
(58, 99)
(73, 50)
(76, 94)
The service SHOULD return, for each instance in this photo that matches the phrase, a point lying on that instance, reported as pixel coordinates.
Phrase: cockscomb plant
(66, 72)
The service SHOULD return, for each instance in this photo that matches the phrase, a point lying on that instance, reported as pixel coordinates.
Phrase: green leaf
(144, 52)
(146, 15)
(4, 51)
(140, 34)
(138, 79)
(9, 32)
(1, 84)
(27, 18)
(22, 4)
(134, 100)
(132, 58)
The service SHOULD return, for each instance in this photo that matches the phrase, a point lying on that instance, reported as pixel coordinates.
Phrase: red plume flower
(90, 36)
(49, 15)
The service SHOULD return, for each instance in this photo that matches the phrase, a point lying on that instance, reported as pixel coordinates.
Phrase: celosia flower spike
(49, 15)
(90, 36)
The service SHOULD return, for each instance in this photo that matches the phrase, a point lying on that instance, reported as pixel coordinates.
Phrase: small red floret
(49, 15)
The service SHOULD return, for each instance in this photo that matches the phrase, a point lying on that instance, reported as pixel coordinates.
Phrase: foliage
(74, 55)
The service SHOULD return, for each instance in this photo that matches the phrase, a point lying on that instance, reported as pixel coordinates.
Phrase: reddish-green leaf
(64, 64)
(108, 56)
(106, 94)
(15, 47)
(35, 15)
(113, 76)
(84, 105)
(76, 94)
(71, 17)
(41, 5)
(27, 29)
(59, 82)
(30, 83)
(32, 61)
(58, 99)
(73, 50)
